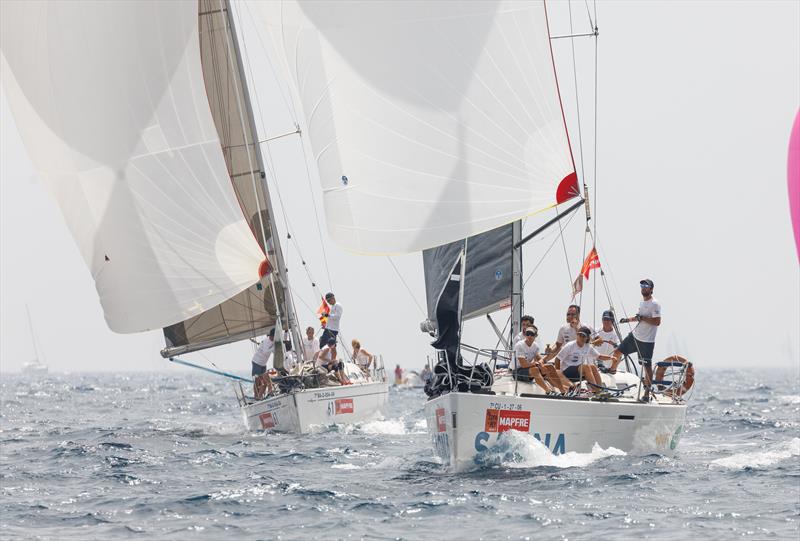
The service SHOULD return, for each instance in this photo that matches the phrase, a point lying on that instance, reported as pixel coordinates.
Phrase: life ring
(688, 380)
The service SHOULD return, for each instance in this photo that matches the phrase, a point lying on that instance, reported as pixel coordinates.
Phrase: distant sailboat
(34, 366)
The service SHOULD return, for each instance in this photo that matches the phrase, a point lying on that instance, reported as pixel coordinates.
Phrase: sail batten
(445, 112)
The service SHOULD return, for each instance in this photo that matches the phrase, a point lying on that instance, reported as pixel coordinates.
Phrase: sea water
(166, 456)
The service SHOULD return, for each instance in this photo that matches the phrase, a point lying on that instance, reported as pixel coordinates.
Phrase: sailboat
(137, 116)
(437, 127)
(35, 366)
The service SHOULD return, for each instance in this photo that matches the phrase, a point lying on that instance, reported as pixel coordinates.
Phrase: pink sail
(793, 177)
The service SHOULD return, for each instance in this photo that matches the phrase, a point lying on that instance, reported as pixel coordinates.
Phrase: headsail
(252, 312)
(110, 102)
(488, 277)
(430, 121)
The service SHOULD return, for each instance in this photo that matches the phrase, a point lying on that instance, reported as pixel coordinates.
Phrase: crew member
(334, 320)
(525, 364)
(642, 339)
(261, 380)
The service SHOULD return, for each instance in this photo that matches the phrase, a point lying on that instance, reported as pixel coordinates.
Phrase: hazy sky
(696, 101)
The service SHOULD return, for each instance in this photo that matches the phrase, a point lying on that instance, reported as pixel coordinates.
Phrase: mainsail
(430, 121)
(253, 311)
(488, 277)
(110, 101)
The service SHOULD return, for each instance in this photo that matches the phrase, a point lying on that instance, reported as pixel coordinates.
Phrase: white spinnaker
(110, 102)
(430, 121)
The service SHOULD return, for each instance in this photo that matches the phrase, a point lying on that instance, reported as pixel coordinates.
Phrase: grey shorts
(643, 349)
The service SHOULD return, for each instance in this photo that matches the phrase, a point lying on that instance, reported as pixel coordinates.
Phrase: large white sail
(110, 101)
(430, 121)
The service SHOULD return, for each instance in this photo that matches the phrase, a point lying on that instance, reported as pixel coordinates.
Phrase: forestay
(430, 121)
(251, 312)
(110, 101)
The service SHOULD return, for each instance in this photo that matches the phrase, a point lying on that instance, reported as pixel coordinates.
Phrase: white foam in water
(520, 450)
(385, 426)
(776, 453)
(791, 400)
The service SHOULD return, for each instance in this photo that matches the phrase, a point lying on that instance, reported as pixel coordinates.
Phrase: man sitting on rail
(526, 361)
(577, 360)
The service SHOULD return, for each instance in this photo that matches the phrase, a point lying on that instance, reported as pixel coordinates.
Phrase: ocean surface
(166, 456)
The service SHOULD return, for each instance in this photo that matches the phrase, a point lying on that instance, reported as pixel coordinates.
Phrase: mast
(288, 308)
(517, 300)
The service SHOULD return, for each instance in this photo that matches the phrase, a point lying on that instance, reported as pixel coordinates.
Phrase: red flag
(592, 261)
(324, 310)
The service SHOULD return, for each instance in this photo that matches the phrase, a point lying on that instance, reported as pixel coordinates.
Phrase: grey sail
(253, 311)
(489, 277)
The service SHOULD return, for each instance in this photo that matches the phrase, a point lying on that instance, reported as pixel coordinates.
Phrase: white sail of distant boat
(36, 364)
(437, 126)
(142, 131)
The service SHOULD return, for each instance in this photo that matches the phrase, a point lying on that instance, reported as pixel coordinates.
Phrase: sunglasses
(643, 286)
(572, 313)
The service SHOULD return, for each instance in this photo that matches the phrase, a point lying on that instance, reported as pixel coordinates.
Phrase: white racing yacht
(437, 127)
(143, 132)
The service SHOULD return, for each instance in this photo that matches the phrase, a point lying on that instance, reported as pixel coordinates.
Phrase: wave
(520, 450)
(745, 461)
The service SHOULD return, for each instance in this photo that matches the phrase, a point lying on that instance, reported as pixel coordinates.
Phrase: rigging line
(589, 14)
(577, 101)
(541, 259)
(287, 101)
(410, 293)
(594, 159)
(316, 213)
(564, 244)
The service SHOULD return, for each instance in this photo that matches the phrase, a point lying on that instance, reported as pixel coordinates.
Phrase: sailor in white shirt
(524, 364)
(577, 359)
(525, 322)
(642, 339)
(334, 320)
(310, 347)
(261, 381)
(606, 340)
(567, 333)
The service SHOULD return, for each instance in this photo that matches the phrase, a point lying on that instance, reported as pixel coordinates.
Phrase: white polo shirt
(264, 352)
(335, 317)
(605, 348)
(567, 333)
(310, 347)
(573, 355)
(524, 350)
(646, 332)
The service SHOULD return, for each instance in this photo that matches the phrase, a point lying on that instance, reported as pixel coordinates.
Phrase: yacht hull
(464, 425)
(299, 412)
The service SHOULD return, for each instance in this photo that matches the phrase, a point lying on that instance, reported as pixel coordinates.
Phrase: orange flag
(592, 261)
(324, 310)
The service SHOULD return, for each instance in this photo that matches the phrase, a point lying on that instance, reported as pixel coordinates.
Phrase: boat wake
(772, 455)
(516, 449)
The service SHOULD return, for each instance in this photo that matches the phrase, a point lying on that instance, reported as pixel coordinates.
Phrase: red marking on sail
(264, 268)
(567, 188)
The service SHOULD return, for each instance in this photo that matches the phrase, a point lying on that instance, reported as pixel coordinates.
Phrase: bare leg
(556, 378)
(586, 373)
(537, 376)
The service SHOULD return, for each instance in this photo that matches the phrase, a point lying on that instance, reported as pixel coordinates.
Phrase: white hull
(300, 411)
(463, 425)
